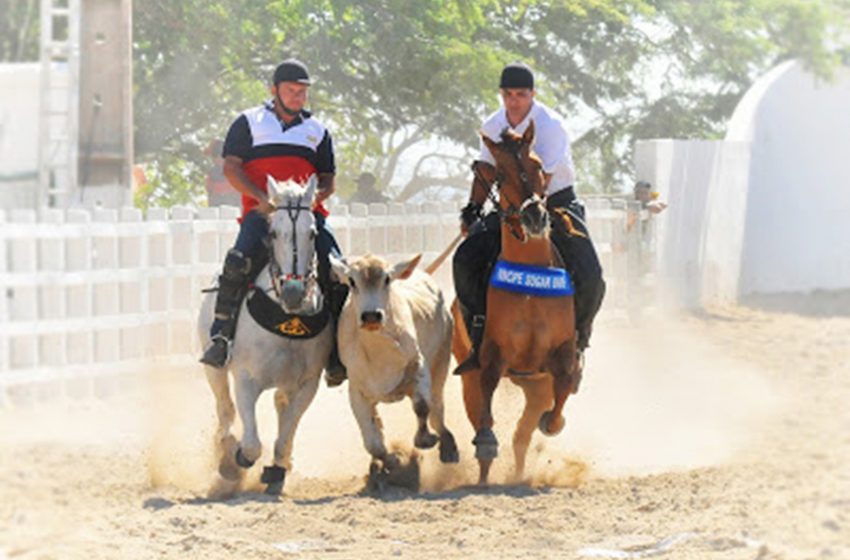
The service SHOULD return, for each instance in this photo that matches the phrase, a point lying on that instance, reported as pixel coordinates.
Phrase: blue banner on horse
(532, 280)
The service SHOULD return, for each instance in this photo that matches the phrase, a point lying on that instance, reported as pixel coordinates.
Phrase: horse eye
(387, 281)
(352, 283)
(272, 234)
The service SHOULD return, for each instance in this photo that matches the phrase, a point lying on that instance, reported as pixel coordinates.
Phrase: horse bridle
(512, 211)
(277, 277)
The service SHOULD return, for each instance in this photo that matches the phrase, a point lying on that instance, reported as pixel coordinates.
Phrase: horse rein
(512, 211)
(277, 277)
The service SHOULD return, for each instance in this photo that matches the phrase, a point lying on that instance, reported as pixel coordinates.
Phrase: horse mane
(288, 190)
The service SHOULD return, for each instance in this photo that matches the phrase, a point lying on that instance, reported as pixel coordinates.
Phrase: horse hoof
(448, 449)
(425, 440)
(486, 444)
(275, 489)
(547, 422)
(391, 462)
(243, 461)
(273, 474)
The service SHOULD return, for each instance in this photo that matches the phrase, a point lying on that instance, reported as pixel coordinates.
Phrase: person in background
(219, 190)
(366, 192)
(648, 198)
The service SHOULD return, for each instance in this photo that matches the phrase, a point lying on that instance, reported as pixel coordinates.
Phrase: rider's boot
(232, 285)
(475, 328)
(335, 372)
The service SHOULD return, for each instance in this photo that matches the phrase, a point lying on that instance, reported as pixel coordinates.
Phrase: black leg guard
(471, 267)
(335, 372)
(475, 327)
(232, 286)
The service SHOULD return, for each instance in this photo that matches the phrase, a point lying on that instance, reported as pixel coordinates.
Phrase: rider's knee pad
(236, 265)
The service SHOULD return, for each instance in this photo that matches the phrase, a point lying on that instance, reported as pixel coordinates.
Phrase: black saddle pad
(268, 314)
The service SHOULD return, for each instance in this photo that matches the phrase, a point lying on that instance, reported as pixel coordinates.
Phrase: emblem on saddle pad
(531, 280)
(294, 327)
(268, 314)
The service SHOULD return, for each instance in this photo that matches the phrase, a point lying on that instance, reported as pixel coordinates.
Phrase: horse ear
(273, 188)
(488, 142)
(404, 269)
(312, 185)
(339, 269)
(528, 135)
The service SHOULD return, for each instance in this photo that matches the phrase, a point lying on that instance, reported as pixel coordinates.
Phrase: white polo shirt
(551, 142)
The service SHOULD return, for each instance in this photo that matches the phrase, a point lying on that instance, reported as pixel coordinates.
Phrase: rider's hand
(265, 207)
(470, 214)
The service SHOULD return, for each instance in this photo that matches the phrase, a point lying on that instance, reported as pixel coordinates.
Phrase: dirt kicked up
(724, 435)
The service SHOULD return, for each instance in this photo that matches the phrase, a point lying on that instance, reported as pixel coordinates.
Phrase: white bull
(395, 336)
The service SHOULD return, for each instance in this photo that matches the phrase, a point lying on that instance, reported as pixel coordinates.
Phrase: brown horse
(529, 338)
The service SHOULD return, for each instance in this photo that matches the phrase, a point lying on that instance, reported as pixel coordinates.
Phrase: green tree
(392, 73)
(19, 25)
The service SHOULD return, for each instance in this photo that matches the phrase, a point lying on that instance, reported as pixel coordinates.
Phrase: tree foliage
(394, 73)
(19, 30)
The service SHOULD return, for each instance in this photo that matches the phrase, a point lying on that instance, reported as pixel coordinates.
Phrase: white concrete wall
(19, 104)
(797, 236)
(700, 234)
(768, 209)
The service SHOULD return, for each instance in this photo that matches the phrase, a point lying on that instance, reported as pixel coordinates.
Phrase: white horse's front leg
(217, 379)
(247, 393)
(424, 439)
(288, 416)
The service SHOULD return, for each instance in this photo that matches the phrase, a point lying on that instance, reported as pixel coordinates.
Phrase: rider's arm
(237, 178)
(326, 187)
(237, 147)
(326, 168)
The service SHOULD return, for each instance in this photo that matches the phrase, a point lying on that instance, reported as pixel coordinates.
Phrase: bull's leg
(439, 372)
(423, 439)
(370, 427)
(224, 443)
(561, 364)
(250, 447)
(538, 398)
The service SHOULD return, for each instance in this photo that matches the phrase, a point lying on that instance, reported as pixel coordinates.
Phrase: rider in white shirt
(476, 255)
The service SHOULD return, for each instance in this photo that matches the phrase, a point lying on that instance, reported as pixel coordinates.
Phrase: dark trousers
(475, 257)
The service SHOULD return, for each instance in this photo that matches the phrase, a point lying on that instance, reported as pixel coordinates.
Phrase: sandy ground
(724, 435)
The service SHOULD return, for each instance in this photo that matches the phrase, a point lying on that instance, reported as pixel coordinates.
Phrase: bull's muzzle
(372, 320)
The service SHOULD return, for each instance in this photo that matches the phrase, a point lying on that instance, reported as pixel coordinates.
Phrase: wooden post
(106, 102)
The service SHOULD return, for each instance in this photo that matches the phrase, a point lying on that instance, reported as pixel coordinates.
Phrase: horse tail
(436, 263)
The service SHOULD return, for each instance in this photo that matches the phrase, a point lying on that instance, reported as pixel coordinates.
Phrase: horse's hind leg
(561, 364)
(538, 399)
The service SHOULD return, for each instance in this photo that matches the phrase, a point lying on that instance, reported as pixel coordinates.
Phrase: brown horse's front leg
(561, 365)
(486, 444)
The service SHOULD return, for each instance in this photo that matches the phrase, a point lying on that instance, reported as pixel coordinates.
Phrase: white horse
(261, 359)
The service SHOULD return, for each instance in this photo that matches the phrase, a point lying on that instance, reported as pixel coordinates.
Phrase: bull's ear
(404, 269)
(339, 269)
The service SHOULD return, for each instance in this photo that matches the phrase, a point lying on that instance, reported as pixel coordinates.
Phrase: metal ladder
(59, 101)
